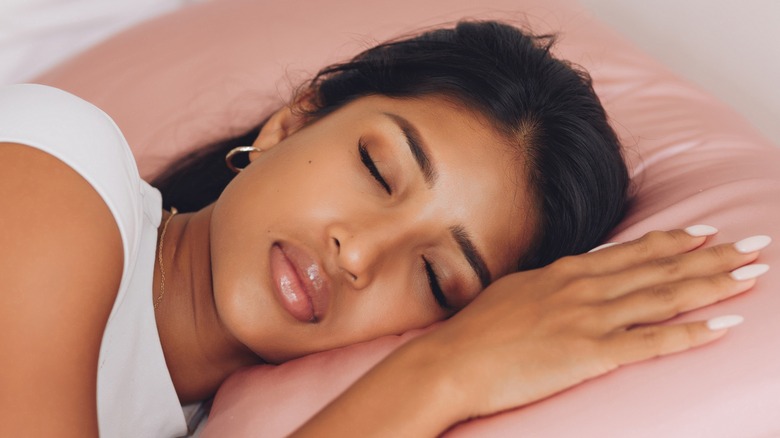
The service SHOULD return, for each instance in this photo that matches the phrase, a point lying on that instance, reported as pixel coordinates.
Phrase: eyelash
(433, 279)
(433, 282)
(365, 157)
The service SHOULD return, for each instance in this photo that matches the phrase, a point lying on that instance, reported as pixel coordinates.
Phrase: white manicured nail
(606, 245)
(749, 272)
(753, 244)
(724, 322)
(701, 230)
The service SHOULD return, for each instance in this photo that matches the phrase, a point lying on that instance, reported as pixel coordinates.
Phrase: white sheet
(37, 34)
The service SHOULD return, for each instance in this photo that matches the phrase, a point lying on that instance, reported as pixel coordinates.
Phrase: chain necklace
(160, 258)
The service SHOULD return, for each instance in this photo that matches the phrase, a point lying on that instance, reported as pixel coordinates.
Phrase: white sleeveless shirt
(135, 394)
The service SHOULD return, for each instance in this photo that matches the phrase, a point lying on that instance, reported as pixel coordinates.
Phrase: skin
(589, 306)
(369, 243)
(54, 301)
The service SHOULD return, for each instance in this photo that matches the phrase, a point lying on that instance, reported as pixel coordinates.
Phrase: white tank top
(135, 394)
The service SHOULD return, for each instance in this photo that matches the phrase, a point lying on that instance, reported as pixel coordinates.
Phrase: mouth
(299, 282)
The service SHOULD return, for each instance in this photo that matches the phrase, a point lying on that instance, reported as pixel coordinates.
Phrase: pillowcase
(214, 69)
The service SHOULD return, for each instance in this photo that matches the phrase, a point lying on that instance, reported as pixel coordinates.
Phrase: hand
(535, 333)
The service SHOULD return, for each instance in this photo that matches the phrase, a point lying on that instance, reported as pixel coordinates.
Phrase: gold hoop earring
(235, 151)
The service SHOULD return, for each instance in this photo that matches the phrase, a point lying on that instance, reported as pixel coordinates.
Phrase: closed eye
(433, 282)
(365, 157)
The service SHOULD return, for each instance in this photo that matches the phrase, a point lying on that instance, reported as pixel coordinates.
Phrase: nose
(361, 255)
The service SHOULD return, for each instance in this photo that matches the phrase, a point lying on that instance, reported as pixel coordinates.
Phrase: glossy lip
(310, 277)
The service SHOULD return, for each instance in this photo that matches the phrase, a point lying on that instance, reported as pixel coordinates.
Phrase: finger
(612, 257)
(705, 262)
(647, 342)
(603, 246)
(667, 300)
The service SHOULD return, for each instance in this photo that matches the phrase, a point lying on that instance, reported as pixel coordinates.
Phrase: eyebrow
(417, 146)
(459, 234)
(473, 256)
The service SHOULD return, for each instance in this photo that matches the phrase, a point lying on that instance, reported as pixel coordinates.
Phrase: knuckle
(679, 237)
(719, 282)
(663, 341)
(585, 290)
(657, 237)
(572, 319)
(669, 266)
(690, 335)
(648, 244)
(581, 286)
(664, 293)
(722, 252)
(583, 316)
(650, 337)
(643, 245)
(569, 265)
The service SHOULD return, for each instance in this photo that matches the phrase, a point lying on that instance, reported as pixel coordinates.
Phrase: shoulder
(64, 170)
(83, 137)
(69, 195)
(60, 269)
(52, 214)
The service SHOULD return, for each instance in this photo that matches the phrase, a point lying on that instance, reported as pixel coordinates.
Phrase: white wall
(729, 47)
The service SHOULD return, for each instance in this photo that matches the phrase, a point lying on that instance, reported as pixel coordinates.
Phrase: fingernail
(606, 245)
(701, 230)
(724, 322)
(753, 244)
(748, 272)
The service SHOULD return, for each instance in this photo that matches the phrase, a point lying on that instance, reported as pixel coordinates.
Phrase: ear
(280, 125)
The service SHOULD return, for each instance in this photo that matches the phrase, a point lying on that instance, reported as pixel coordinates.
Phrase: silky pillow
(215, 68)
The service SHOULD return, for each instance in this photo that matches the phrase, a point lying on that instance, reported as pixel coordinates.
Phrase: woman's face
(386, 215)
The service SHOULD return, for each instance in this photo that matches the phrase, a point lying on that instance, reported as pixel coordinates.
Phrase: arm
(536, 333)
(60, 268)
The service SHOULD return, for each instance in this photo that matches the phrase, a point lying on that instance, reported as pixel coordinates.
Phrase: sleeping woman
(459, 176)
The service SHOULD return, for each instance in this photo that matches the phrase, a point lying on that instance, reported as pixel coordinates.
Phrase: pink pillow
(215, 68)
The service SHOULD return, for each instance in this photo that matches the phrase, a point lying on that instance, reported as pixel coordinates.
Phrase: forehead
(482, 180)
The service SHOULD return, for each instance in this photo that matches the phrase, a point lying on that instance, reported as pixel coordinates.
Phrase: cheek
(242, 231)
(294, 184)
(393, 304)
(296, 194)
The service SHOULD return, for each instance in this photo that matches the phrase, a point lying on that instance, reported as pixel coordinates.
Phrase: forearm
(407, 394)
(535, 333)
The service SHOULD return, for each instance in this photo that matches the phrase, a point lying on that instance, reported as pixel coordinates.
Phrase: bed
(214, 68)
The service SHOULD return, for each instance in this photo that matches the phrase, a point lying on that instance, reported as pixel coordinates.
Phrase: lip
(300, 283)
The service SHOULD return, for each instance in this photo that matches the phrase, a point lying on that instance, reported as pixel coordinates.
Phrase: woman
(396, 189)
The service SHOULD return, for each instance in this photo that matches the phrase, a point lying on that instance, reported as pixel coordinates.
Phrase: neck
(199, 352)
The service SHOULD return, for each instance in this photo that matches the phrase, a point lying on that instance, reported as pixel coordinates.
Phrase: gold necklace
(160, 258)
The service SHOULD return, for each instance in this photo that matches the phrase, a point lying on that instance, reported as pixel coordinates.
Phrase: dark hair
(543, 105)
